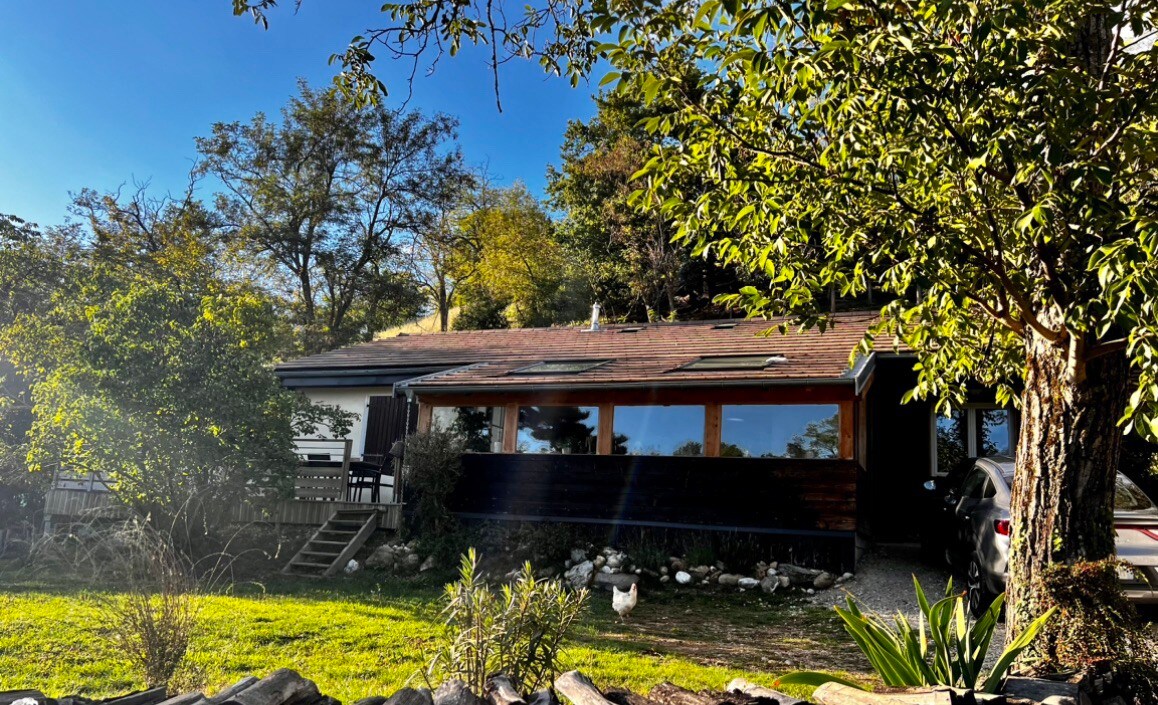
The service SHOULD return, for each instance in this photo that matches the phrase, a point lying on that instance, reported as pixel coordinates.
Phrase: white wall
(354, 400)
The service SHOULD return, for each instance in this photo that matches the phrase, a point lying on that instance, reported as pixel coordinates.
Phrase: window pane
(481, 427)
(951, 440)
(557, 429)
(993, 432)
(781, 431)
(659, 430)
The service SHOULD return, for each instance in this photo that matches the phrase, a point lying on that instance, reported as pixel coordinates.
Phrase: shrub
(433, 466)
(517, 631)
(901, 656)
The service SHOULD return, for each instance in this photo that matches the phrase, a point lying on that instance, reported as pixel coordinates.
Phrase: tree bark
(1067, 459)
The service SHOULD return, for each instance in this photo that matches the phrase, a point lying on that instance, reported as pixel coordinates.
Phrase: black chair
(368, 475)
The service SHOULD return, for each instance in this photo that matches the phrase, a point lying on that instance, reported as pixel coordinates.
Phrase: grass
(355, 638)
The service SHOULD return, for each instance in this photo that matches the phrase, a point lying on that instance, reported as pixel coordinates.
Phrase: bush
(433, 466)
(900, 656)
(517, 631)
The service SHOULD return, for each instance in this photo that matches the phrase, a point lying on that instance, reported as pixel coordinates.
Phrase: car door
(970, 508)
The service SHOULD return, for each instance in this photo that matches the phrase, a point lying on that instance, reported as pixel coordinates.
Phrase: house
(706, 425)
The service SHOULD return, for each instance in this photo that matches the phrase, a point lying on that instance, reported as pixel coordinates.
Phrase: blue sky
(99, 94)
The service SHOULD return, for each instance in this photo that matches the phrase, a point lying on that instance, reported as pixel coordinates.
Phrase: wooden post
(425, 416)
(511, 428)
(606, 433)
(347, 444)
(713, 425)
(848, 430)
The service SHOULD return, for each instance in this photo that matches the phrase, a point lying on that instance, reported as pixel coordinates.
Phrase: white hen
(623, 601)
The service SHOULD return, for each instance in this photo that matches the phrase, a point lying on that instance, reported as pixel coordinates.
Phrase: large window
(781, 431)
(558, 429)
(658, 430)
(971, 432)
(481, 427)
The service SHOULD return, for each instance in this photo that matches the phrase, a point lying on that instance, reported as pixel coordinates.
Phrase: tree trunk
(1067, 459)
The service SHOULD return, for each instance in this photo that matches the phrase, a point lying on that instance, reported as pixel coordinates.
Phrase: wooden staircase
(334, 544)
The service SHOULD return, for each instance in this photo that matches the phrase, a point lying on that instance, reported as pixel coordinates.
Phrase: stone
(352, 567)
(663, 570)
(798, 575)
(411, 561)
(784, 580)
(578, 555)
(623, 581)
(382, 557)
(427, 564)
(579, 575)
(606, 570)
(683, 577)
(748, 583)
(720, 566)
(700, 572)
(677, 564)
(599, 562)
(665, 578)
(615, 560)
(769, 584)
(607, 551)
(729, 579)
(824, 581)
(844, 578)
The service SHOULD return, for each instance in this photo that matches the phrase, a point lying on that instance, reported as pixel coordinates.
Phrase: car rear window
(1128, 498)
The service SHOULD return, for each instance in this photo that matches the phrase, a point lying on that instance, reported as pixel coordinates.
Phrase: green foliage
(518, 631)
(1089, 598)
(433, 466)
(951, 652)
(147, 368)
(327, 199)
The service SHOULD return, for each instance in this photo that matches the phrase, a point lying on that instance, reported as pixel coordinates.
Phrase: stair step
(331, 554)
(306, 564)
(338, 531)
(329, 543)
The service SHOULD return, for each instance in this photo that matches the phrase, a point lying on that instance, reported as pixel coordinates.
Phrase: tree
(153, 373)
(989, 164)
(510, 249)
(819, 439)
(330, 196)
(625, 254)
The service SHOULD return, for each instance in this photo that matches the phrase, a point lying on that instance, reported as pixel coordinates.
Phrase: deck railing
(82, 481)
(324, 470)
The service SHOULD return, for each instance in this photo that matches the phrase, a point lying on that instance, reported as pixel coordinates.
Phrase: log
(579, 689)
(621, 696)
(546, 696)
(233, 690)
(151, 696)
(838, 694)
(372, 700)
(759, 691)
(500, 691)
(412, 696)
(456, 693)
(183, 699)
(278, 688)
(8, 697)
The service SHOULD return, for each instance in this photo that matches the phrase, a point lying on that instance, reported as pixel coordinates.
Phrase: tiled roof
(635, 353)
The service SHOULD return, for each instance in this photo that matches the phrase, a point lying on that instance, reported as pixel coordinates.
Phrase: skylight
(558, 367)
(734, 362)
(723, 326)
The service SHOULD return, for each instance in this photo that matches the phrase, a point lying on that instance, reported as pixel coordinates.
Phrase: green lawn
(355, 638)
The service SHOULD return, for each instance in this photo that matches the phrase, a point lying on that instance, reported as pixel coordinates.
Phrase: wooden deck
(65, 504)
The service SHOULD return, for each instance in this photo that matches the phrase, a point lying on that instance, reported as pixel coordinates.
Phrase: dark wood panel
(387, 420)
(758, 493)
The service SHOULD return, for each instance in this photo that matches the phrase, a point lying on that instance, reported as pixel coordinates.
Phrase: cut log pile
(285, 687)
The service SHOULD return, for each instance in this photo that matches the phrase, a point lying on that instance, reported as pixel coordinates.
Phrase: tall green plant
(944, 649)
(517, 631)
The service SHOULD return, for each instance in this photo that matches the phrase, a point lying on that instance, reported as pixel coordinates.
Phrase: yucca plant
(944, 649)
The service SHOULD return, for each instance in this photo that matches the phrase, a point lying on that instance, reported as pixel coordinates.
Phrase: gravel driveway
(884, 584)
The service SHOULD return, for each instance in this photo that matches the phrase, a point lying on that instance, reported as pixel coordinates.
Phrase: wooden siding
(388, 419)
(761, 495)
(65, 504)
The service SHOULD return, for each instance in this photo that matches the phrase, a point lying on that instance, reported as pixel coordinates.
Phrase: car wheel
(979, 597)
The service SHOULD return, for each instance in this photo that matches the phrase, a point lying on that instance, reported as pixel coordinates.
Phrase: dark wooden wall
(773, 496)
(388, 419)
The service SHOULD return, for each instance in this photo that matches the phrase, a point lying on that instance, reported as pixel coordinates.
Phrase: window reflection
(952, 440)
(658, 430)
(481, 427)
(993, 432)
(781, 431)
(558, 429)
